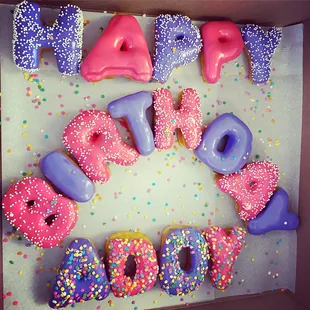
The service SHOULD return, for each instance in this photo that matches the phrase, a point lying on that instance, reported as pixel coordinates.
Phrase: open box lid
(269, 13)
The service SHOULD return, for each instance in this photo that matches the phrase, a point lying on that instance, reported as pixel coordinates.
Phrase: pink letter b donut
(43, 216)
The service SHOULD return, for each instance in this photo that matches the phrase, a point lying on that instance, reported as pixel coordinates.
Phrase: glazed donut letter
(133, 107)
(177, 43)
(275, 216)
(237, 149)
(64, 37)
(118, 247)
(222, 42)
(251, 187)
(173, 279)
(188, 119)
(44, 217)
(224, 250)
(80, 277)
(93, 139)
(260, 47)
(60, 170)
(121, 50)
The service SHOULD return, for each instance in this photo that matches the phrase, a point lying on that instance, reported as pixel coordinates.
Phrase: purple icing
(81, 276)
(133, 107)
(237, 149)
(275, 216)
(65, 37)
(67, 177)
(177, 43)
(261, 46)
(173, 279)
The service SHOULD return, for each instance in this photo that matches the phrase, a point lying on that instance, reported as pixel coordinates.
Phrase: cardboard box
(266, 13)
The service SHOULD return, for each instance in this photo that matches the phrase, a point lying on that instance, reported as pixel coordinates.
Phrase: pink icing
(252, 187)
(121, 50)
(146, 266)
(188, 118)
(44, 217)
(224, 251)
(93, 139)
(222, 42)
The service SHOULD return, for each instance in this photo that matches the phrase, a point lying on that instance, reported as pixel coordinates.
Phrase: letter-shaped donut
(80, 277)
(177, 43)
(117, 248)
(62, 172)
(224, 250)
(260, 46)
(188, 119)
(121, 50)
(237, 149)
(133, 108)
(93, 139)
(44, 217)
(64, 37)
(173, 279)
(275, 216)
(251, 187)
(222, 42)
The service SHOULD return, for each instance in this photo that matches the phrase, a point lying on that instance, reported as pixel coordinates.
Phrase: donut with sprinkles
(65, 37)
(224, 250)
(187, 119)
(118, 248)
(251, 187)
(177, 43)
(260, 47)
(173, 279)
(93, 139)
(44, 217)
(80, 277)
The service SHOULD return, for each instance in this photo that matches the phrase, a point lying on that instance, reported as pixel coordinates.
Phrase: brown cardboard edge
(303, 248)
(1, 243)
(263, 12)
(269, 300)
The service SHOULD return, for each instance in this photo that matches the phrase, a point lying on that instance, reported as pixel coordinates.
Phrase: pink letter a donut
(121, 50)
(251, 187)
